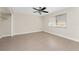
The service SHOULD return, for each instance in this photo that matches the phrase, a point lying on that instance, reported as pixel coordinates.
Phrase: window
(61, 20)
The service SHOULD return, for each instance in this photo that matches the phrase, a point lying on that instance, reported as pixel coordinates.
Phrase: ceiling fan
(40, 10)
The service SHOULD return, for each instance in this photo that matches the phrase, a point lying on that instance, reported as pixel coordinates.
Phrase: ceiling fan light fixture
(40, 10)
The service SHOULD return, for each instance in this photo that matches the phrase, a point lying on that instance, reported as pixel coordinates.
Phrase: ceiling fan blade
(35, 8)
(43, 8)
(35, 11)
(45, 11)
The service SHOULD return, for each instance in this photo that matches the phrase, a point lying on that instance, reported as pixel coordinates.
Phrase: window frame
(64, 20)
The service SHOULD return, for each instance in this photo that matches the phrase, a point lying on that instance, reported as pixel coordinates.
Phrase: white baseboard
(26, 32)
(4, 36)
(19, 33)
(77, 40)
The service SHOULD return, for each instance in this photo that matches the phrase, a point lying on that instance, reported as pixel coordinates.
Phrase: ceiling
(29, 10)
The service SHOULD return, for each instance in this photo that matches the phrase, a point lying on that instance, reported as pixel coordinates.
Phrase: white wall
(72, 29)
(5, 27)
(25, 23)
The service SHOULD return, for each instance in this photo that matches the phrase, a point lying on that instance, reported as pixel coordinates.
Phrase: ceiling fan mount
(40, 10)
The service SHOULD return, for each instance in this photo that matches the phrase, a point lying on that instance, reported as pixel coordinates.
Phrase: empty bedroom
(39, 28)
